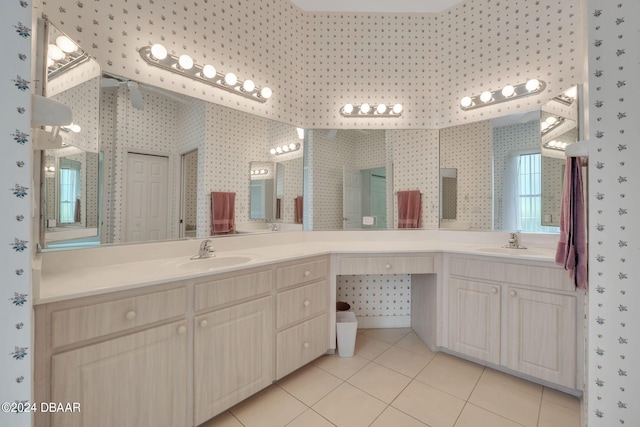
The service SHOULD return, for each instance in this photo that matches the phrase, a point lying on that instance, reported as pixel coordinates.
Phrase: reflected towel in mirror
(223, 212)
(298, 209)
(409, 209)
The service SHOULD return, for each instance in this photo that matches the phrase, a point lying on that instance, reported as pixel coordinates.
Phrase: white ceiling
(389, 6)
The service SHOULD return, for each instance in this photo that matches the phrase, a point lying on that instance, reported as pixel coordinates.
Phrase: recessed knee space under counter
(278, 313)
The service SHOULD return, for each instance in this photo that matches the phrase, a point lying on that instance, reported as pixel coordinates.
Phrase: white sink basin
(212, 263)
(512, 251)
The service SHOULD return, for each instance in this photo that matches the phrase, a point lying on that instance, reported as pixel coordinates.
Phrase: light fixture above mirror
(367, 110)
(158, 56)
(507, 93)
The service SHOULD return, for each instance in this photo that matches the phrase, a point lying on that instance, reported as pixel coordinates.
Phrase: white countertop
(73, 274)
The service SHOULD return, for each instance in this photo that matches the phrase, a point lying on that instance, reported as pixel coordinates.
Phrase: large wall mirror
(499, 174)
(71, 190)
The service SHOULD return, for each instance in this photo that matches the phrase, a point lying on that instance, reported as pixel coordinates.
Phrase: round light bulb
(553, 143)
(563, 145)
(365, 108)
(272, 151)
(279, 150)
(347, 109)
(75, 128)
(248, 86)
(253, 172)
(544, 125)
(292, 146)
(209, 71)
(532, 85)
(230, 79)
(185, 62)
(66, 44)
(486, 96)
(285, 148)
(52, 168)
(572, 92)
(50, 62)
(508, 91)
(381, 109)
(550, 120)
(55, 53)
(397, 109)
(466, 102)
(263, 171)
(159, 52)
(266, 93)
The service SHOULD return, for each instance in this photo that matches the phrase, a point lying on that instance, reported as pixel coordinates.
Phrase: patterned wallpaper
(16, 235)
(381, 296)
(191, 190)
(474, 165)
(614, 230)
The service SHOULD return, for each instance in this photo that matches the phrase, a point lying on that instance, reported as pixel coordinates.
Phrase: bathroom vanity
(165, 338)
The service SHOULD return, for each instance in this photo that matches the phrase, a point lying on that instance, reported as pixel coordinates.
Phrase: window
(69, 188)
(529, 196)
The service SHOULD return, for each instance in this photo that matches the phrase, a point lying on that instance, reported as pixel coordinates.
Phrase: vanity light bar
(259, 171)
(158, 56)
(550, 123)
(507, 93)
(555, 145)
(285, 149)
(367, 110)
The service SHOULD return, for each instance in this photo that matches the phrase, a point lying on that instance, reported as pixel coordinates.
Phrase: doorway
(189, 194)
(147, 197)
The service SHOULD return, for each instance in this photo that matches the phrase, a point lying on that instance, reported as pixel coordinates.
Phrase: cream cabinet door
(474, 319)
(541, 335)
(137, 380)
(233, 356)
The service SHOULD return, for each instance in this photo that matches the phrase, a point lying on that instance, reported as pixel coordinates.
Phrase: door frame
(182, 210)
(171, 184)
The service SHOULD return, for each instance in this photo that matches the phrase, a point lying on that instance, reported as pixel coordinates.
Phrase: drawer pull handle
(203, 323)
(494, 290)
(388, 266)
(182, 329)
(307, 273)
(305, 345)
(513, 293)
(306, 303)
(130, 315)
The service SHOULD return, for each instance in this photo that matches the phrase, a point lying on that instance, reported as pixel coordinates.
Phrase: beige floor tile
(341, 367)
(451, 374)
(429, 405)
(309, 384)
(492, 376)
(553, 415)
(310, 418)
(226, 419)
(390, 336)
(561, 398)
(380, 382)
(472, 416)
(369, 348)
(403, 361)
(271, 407)
(392, 417)
(412, 342)
(507, 401)
(349, 407)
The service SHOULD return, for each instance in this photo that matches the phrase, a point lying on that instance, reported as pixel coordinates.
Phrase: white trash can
(346, 330)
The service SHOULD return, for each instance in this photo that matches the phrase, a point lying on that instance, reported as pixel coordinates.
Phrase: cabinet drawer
(91, 321)
(518, 274)
(386, 265)
(301, 344)
(218, 292)
(301, 273)
(301, 303)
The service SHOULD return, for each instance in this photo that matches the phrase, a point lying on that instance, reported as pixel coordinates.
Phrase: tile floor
(394, 380)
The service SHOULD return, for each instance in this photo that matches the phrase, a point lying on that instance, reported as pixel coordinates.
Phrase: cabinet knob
(513, 293)
(305, 345)
(203, 323)
(307, 273)
(182, 329)
(494, 290)
(388, 266)
(130, 315)
(306, 303)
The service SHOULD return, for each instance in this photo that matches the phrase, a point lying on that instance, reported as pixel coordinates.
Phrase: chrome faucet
(205, 251)
(513, 242)
(273, 226)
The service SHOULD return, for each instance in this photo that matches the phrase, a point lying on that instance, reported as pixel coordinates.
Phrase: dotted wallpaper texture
(16, 235)
(317, 62)
(190, 190)
(614, 230)
(376, 295)
(474, 165)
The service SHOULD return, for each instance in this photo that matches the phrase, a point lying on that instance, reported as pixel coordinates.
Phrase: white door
(379, 200)
(147, 197)
(351, 198)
